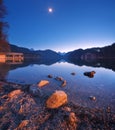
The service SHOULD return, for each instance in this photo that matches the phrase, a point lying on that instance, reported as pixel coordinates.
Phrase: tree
(4, 45)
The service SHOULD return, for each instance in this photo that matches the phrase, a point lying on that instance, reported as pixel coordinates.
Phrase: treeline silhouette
(106, 52)
(4, 45)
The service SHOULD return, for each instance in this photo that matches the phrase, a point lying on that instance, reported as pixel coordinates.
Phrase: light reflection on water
(79, 87)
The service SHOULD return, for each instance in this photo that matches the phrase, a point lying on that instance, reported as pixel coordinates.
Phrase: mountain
(28, 54)
(31, 54)
(15, 48)
(48, 54)
(92, 53)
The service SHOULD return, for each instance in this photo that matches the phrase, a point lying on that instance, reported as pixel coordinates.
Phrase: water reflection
(106, 63)
(6, 67)
(79, 87)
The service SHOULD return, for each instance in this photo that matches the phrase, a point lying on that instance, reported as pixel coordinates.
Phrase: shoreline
(21, 110)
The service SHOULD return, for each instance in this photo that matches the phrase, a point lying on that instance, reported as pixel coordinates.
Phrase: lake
(79, 87)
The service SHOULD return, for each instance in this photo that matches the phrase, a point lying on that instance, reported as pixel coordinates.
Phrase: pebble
(64, 83)
(108, 109)
(50, 76)
(59, 78)
(73, 73)
(92, 98)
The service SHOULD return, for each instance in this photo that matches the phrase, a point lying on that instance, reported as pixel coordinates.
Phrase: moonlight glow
(50, 10)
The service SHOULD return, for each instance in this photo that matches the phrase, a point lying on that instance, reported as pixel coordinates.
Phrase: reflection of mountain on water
(106, 63)
(6, 67)
(95, 57)
(45, 61)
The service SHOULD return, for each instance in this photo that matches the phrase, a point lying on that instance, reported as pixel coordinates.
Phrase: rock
(72, 118)
(1, 108)
(63, 83)
(59, 78)
(43, 83)
(92, 98)
(20, 110)
(4, 97)
(23, 125)
(67, 109)
(34, 90)
(56, 100)
(73, 73)
(90, 74)
(108, 109)
(50, 76)
(14, 93)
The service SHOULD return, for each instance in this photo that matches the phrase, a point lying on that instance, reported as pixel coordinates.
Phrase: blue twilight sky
(73, 24)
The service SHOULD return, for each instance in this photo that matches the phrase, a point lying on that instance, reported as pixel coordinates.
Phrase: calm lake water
(79, 87)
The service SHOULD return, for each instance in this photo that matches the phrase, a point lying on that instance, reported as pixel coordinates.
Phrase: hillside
(45, 54)
(92, 53)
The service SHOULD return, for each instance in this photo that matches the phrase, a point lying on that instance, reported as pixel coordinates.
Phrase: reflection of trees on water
(106, 63)
(32, 62)
(4, 69)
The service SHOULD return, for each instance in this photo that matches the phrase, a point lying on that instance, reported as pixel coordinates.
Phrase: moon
(50, 10)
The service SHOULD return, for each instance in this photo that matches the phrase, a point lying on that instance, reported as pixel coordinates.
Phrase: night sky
(71, 25)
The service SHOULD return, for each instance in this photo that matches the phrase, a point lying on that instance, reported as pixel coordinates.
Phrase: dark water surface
(79, 87)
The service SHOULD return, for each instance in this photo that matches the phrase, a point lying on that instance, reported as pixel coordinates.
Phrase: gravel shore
(20, 110)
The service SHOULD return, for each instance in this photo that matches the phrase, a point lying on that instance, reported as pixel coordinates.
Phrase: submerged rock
(50, 76)
(90, 74)
(34, 90)
(43, 83)
(59, 78)
(63, 83)
(73, 73)
(56, 100)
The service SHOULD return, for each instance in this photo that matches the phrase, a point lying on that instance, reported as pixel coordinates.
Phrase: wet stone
(43, 83)
(50, 76)
(89, 74)
(34, 90)
(59, 78)
(63, 83)
(56, 100)
(93, 98)
(73, 73)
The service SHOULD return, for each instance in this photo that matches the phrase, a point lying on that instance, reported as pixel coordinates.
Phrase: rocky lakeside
(20, 109)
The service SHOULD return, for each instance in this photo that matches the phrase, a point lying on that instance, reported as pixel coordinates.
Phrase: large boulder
(56, 100)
